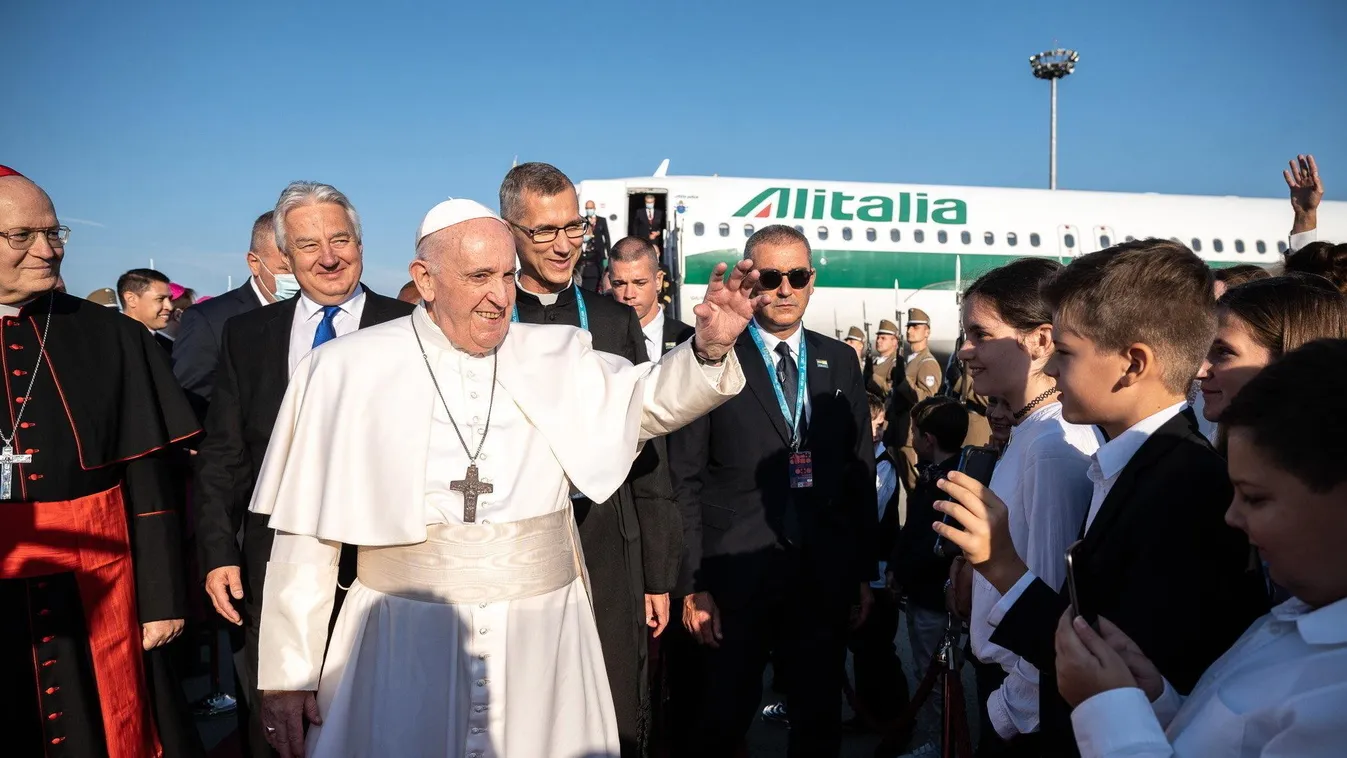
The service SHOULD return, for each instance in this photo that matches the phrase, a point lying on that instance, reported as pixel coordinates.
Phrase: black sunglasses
(770, 279)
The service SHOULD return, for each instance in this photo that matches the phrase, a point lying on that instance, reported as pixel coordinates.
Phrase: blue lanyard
(792, 420)
(579, 304)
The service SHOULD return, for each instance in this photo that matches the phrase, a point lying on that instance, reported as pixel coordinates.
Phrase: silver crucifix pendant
(7, 461)
(471, 487)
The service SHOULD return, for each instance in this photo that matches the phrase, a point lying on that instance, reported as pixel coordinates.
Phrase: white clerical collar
(433, 337)
(546, 298)
(10, 310)
(792, 342)
(308, 308)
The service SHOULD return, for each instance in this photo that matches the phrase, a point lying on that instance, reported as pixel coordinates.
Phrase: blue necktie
(326, 331)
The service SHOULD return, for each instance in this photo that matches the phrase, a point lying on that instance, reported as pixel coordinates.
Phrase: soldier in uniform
(856, 340)
(979, 430)
(879, 378)
(924, 379)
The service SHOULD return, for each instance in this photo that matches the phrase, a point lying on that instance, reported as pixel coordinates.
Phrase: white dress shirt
(1105, 465)
(1297, 241)
(261, 298)
(1113, 456)
(886, 483)
(792, 342)
(654, 335)
(309, 314)
(1041, 478)
(1280, 691)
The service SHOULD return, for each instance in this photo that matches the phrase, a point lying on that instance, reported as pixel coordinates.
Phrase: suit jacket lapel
(276, 336)
(760, 383)
(1156, 447)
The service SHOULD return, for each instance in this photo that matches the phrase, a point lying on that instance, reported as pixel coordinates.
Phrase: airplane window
(1262, 246)
(965, 237)
(989, 238)
(699, 228)
(895, 235)
(918, 235)
(1012, 239)
(1217, 246)
(1281, 247)
(1033, 239)
(1197, 245)
(870, 235)
(823, 232)
(724, 230)
(942, 236)
(846, 232)
(799, 229)
(1105, 241)
(1239, 246)
(748, 230)
(1069, 240)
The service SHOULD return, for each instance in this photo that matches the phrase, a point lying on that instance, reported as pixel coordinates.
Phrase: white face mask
(287, 286)
(589, 212)
(649, 205)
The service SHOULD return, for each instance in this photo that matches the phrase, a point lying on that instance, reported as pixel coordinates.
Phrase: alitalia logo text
(802, 203)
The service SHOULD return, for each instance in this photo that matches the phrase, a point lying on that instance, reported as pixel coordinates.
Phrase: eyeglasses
(24, 238)
(770, 279)
(544, 235)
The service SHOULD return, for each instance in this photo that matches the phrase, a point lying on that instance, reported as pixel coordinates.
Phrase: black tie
(789, 375)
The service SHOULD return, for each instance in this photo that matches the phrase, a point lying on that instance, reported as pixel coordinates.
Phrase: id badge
(801, 469)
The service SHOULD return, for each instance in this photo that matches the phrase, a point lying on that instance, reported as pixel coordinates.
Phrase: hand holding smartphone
(978, 463)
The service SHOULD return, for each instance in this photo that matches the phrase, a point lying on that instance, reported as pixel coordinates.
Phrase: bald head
(28, 218)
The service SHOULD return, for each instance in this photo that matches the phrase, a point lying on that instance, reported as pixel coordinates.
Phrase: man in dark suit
(594, 252)
(147, 298)
(196, 351)
(778, 519)
(319, 232)
(629, 541)
(648, 223)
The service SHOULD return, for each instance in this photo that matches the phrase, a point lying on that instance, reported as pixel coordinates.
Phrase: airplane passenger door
(1068, 241)
(1104, 237)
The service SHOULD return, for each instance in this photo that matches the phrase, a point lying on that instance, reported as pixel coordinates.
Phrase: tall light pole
(1053, 65)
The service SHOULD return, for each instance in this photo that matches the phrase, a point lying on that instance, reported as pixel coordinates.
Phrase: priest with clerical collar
(469, 629)
(91, 571)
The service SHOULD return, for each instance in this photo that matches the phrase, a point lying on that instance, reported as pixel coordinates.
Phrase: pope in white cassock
(446, 446)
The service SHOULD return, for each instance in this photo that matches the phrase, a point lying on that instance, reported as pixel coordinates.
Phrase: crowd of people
(522, 510)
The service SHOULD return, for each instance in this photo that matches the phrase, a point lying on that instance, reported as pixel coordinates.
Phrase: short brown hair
(1153, 291)
(1322, 258)
(777, 234)
(541, 179)
(632, 249)
(263, 227)
(1303, 438)
(1285, 312)
(1233, 276)
(945, 419)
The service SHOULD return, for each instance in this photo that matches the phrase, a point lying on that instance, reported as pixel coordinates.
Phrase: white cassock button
(483, 630)
(485, 522)
(481, 605)
(472, 395)
(478, 708)
(476, 419)
(471, 375)
(483, 656)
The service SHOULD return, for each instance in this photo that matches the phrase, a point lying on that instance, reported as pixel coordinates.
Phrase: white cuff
(1297, 241)
(296, 607)
(1166, 707)
(1118, 722)
(1007, 600)
(996, 713)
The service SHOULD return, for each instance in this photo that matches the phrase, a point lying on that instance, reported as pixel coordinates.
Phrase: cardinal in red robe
(91, 571)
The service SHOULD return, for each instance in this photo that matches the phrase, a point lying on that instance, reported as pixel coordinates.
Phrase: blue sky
(166, 127)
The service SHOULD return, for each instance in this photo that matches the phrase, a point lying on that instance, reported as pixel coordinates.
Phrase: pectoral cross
(7, 461)
(469, 485)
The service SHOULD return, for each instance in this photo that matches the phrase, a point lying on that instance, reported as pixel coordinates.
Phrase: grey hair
(300, 194)
(539, 178)
(430, 257)
(632, 249)
(777, 234)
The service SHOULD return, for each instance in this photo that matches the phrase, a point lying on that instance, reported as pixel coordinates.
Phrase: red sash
(89, 537)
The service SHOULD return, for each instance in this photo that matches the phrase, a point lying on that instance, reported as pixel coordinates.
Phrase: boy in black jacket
(1131, 325)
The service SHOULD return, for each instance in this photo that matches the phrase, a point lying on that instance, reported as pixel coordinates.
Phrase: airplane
(880, 249)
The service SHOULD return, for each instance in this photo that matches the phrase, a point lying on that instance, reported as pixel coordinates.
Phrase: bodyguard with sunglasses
(777, 493)
(631, 541)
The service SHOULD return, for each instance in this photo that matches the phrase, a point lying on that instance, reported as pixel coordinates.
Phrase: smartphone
(1073, 588)
(978, 463)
